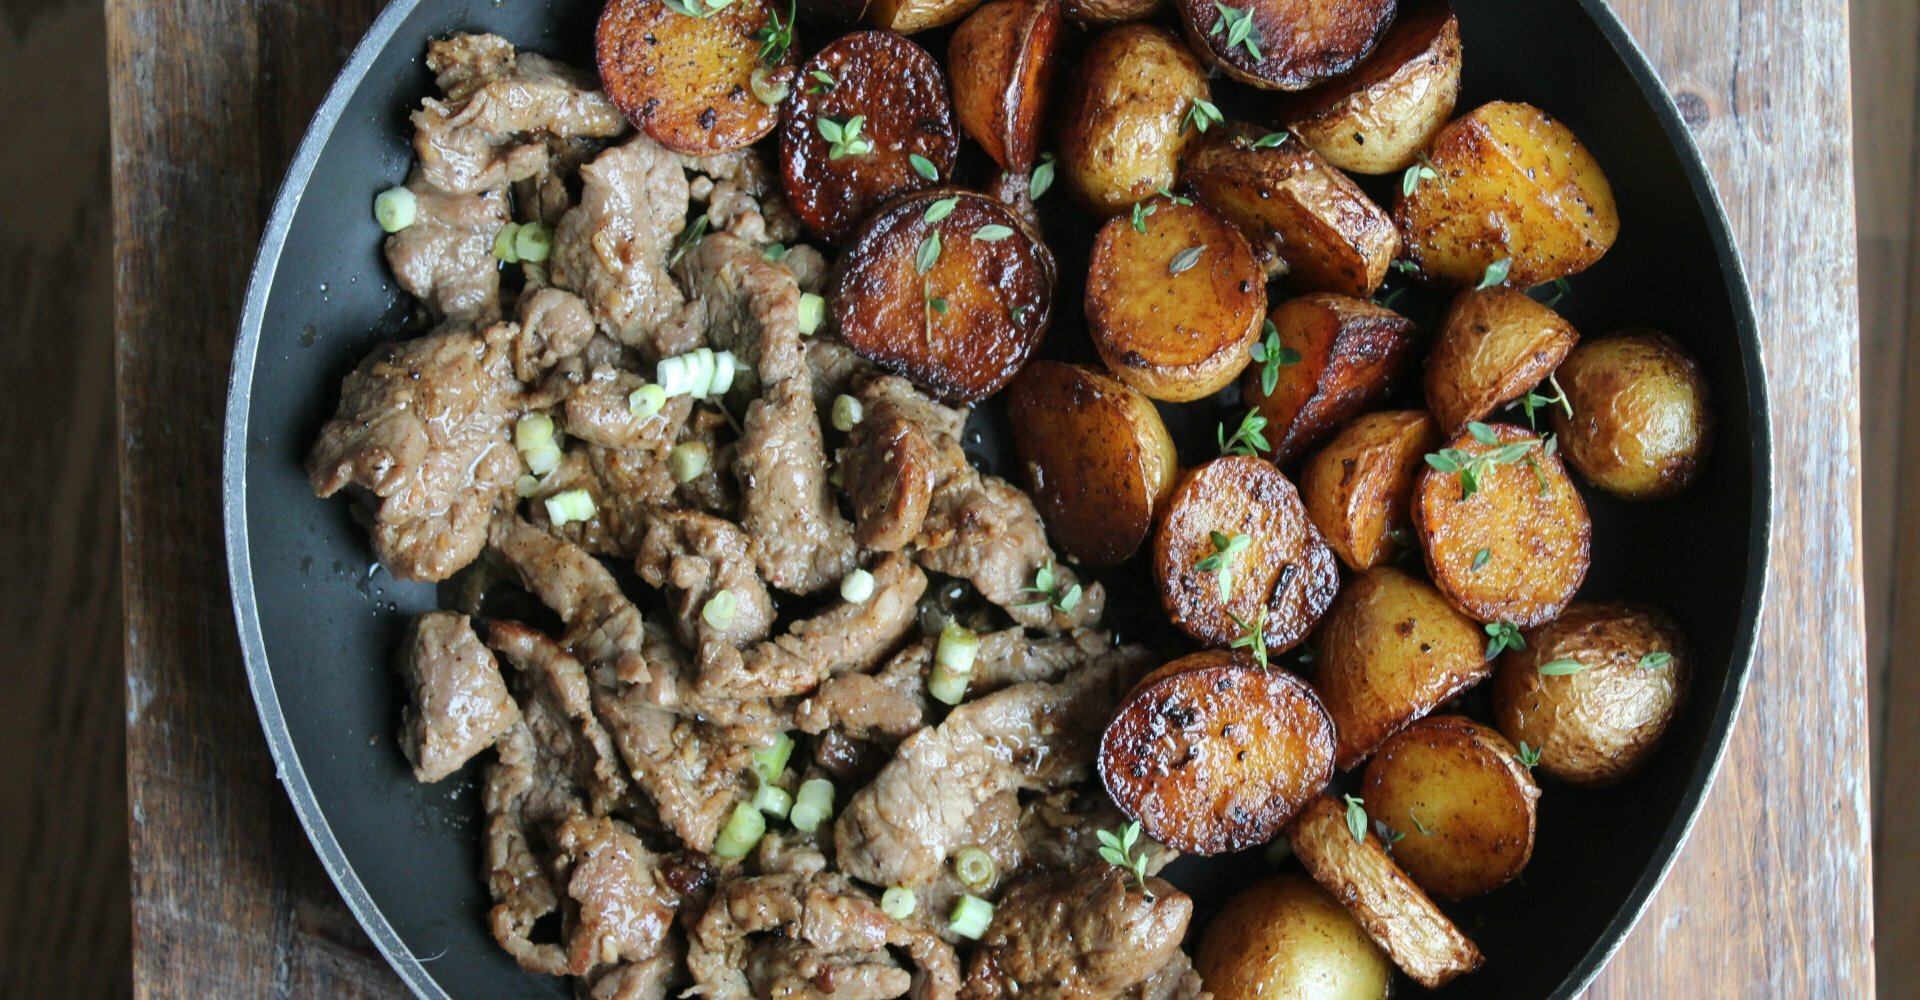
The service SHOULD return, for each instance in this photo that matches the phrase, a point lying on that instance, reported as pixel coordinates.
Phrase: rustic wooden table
(1771, 897)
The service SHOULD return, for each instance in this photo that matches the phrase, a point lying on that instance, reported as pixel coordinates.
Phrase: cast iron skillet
(318, 621)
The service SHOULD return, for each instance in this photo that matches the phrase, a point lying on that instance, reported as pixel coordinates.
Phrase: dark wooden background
(208, 100)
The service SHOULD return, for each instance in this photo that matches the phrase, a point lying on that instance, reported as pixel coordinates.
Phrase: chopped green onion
(718, 611)
(958, 646)
(813, 309)
(395, 209)
(700, 373)
(847, 411)
(533, 430)
(971, 915)
(768, 762)
(898, 902)
(646, 402)
(773, 800)
(503, 243)
(571, 505)
(526, 486)
(743, 830)
(765, 88)
(974, 868)
(856, 587)
(946, 686)
(812, 805)
(687, 461)
(534, 242)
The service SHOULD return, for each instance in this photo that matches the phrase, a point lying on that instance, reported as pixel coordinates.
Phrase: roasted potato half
(1098, 461)
(1217, 757)
(1121, 125)
(1641, 428)
(956, 304)
(1349, 352)
(1174, 299)
(1461, 799)
(1358, 488)
(1595, 691)
(1396, 914)
(910, 16)
(847, 147)
(1506, 535)
(1236, 542)
(1002, 60)
(1512, 184)
(1307, 221)
(1285, 44)
(688, 82)
(1392, 650)
(1111, 11)
(1285, 938)
(1378, 118)
(1494, 345)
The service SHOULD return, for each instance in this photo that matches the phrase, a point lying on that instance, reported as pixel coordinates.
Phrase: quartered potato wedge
(1377, 119)
(1122, 125)
(1002, 60)
(689, 82)
(1460, 799)
(1349, 351)
(1285, 44)
(1359, 488)
(1493, 346)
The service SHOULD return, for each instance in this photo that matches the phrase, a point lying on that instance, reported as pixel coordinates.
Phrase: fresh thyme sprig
(1047, 585)
(1248, 439)
(1116, 849)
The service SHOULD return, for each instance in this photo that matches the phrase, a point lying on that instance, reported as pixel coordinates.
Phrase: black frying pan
(318, 622)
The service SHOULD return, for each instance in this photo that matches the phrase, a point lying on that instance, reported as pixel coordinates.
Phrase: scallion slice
(766, 89)
(534, 242)
(898, 902)
(974, 868)
(946, 686)
(812, 805)
(772, 800)
(571, 505)
(724, 367)
(971, 915)
(847, 412)
(743, 830)
(719, 609)
(687, 461)
(856, 587)
(957, 649)
(769, 761)
(813, 309)
(395, 209)
(646, 402)
(503, 243)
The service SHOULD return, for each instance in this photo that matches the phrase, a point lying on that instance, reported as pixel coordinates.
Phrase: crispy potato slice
(1349, 351)
(687, 81)
(1392, 649)
(911, 16)
(1358, 489)
(1002, 60)
(1514, 184)
(1464, 802)
(964, 324)
(1285, 938)
(1099, 462)
(1217, 755)
(1494, 344)
(1641, 428)
(1121, 126)
(1619, 679)
(1285, 44)
(1111, 11)
(1516, 549)
(1175, 300)
(1378, 118)
(1400, 918)
(1309, 222)
(896, 92)
(1285, 575)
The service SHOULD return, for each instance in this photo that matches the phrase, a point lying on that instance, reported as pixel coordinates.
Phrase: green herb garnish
(1496, 274)
(1046, 584)
(1116, 849)
(1247, 439)
(844, 138)
(1240, 29)
(1562, 667)
(1185, 259)
(1271, 357)
(1503, 636)
(1202, 115)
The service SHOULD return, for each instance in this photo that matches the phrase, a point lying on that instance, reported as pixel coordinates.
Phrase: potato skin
(1600, 725)
(1301, 42)
(1473, 799)
(1473, 214)
(1526, 515)
(1306, 220)
(1494, 344)
(910, 16)
(685, 80)
(1174, 336)
(1286, 577)
(1390, 651)
(1358, 488)
(1350, 352)
(1002, 60)
(1378, 118)
(1111, 11)
(1641, 428)
(1098, 460)
(1120, 126)
(1285, 938)
(1218, 756)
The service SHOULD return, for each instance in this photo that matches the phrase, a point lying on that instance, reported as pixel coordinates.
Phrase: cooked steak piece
(619, 905)
(743, 197)
(422, 426)
(603, 626)
(832, 366)
(985, 531)
(748, 305)
(656, 978)
(1176, 980)
(1061, 830)
(445, 259)
(613, 247)
(801, 542)
(555, 324)
(460, 703)
(1082, 934)
(558, 706)
(695, 556)
(598, 411)
(523, 799)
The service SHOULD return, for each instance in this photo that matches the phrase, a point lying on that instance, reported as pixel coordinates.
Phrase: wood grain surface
(1770, 898)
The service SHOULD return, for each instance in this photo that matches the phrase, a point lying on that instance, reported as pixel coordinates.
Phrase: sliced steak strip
(695, 556)
(743, 197)
(523, 798)
(603, 626)
(613, 247)
(1061, 830)
(748, 305)
(445, 259)
(985, 531)
(619, 906)
(1176, 980)
(801, 542)
(848, 637)
(557, 702)
(1082, 934)
(460, 703)
(555, 324)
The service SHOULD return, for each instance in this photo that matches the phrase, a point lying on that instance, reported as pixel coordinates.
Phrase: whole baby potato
(1640, 428)
(1285, 938)
(1122, 125)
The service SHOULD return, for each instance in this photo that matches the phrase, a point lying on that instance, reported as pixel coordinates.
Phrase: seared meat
(555, 324)
(694, 556)
(1176, 980)
(523, 798)
(445, 259)
(742, 195)
(598, 412)
(750, 306)
(833, 367)
(613, 247)
(602, 624)
(863, 706)
(619, 905)
(995, 829)
(460, 704)
(654, 978)
(1082, 934)
(983, 530)
(1061, 830)
(801, 542)
(847, 637)
(558, 706)
(422, 426)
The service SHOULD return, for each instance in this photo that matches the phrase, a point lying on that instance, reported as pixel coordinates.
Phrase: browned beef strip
(983, 530)
(619, 905)
(1082, 934)
(743, 197)
(522, 797)
(445, 259)
(613, 247)
(1176, 980)
(555, 324)
(801, 542)
(833, 368)
(654, 978)
(748, 305)
(603, 626)
(422, 426)
(1061, 830)
(558, 706)
(695, 556)
(459, 703)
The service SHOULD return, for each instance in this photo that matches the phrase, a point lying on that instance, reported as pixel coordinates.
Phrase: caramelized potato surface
(910, 16)
(1464, 803)
(1111, 11)
(1358, 489)
(1122, 124)
(1285, 44)
(687, 81)
(1002, 60)
(1641, 427)
(1378, 118)
(1350, 350)
(1493, 346)
(1285, 938)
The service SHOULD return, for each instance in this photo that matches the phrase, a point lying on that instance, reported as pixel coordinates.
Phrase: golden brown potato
(1512, 184)
(1378, 118)
(887, 103)
(1285, 938)
(1357, 489)
(1392, 650)
(1111, 11)
(1506, 535)
(1121, 131)
(1216, 757)
(1285, 44)
(1461, 802)
(1493, 346)
(1175, 300)
(1002, 60)
(1396, 914)
(688, 81)
(910, 16)
(961, 325)
(1349, 352)
(1309, 222)
(1594, 691)
(1277, 569)
(1641, 428)
(1099, 463)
